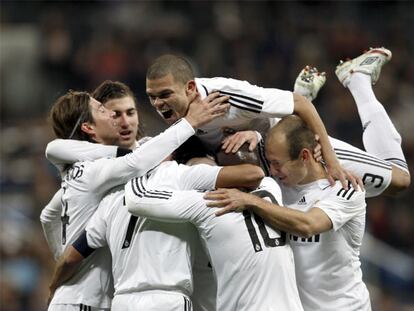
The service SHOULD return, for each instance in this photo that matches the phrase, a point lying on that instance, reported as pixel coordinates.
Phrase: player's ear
(305, 155)
(190, 87)
(88, 128)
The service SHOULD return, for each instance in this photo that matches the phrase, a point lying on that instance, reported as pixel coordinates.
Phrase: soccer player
(170, 82)
(325, 225)
(385, 167)
(252, 262)
(151, 261)
(84, 183)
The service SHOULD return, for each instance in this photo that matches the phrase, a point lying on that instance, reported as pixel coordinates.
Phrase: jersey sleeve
(67, 151)
(50, 220)
(258, 101)
(108, 173)
(341, 205)
(269, 190)
(198, 177)
(177, 206)
(96, 229)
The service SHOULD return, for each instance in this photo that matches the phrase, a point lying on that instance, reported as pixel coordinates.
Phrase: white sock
(380, 137)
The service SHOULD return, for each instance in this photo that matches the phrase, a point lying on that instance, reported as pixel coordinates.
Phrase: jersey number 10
(269, 242)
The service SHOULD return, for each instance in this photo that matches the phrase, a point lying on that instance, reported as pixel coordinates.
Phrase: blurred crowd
(50, 47)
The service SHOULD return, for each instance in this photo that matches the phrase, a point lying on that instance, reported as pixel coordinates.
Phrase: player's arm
(161, 205)
(108, 173)
(208, 177)
(66, 267)
(61, 152)
(67, 151)
(304, 224)
(333, 211)
(259, 102)
(307, 112)
(50, 220)
(69, 263)
(240, 176)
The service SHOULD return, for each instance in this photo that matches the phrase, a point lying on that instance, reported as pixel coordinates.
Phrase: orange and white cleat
(370, 63)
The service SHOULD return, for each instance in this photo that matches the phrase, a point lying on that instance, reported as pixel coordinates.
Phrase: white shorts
(151, 301)
(74, 307)
(374, 172)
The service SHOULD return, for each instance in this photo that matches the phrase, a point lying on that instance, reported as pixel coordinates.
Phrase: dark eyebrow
(163, 92)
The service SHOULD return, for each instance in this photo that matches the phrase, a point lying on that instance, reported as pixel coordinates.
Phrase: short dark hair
(298, 135)
(178, 66)
(109, 90)
(191, 148)
(68, 113)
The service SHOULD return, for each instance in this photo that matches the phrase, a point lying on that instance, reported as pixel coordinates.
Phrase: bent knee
(400, 181)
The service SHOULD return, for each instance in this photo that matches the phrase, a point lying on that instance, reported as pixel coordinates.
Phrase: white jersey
(257, 108)
(253, 266)
(251, 108)
(142, 248)
(328, 269)
(84, 185)
(374, 172)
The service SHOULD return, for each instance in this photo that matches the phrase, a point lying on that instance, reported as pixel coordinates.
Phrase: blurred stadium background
(49, 47)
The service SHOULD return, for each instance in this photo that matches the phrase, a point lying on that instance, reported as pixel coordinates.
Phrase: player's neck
(316, 171)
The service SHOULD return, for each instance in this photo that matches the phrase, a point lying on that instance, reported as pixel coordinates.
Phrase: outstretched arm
(67, 151)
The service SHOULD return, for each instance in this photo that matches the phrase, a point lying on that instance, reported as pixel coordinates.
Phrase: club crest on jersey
(369, 60)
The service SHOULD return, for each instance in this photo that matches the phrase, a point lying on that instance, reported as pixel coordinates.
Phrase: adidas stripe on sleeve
(342, 205)
(264, 102)
(374, 172)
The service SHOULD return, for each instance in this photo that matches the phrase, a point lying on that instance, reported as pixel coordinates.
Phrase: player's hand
(229, 200)
(355, 180)
(317, 152)
(336, 172)
(233, 142)
(201, 112)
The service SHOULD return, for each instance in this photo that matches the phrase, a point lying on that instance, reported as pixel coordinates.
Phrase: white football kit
(151, 261)
(257, 108)
(253, 265)
(328, 271)
(84, 185)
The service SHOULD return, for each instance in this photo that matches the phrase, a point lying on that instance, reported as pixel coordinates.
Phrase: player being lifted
(383, 168)
(171, 82)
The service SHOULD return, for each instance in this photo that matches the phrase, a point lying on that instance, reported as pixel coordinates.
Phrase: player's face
(121, 129)
(169, 97)
(289, 172)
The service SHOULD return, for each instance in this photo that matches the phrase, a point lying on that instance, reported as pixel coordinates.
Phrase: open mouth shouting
(167, 113)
